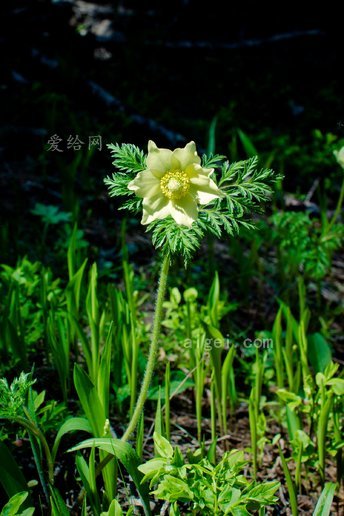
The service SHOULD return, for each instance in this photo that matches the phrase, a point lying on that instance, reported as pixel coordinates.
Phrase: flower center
(175, 184)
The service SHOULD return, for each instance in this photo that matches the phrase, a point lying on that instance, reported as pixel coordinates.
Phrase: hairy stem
(152, 350)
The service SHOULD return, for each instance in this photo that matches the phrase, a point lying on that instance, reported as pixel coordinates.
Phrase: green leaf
(212, 161)
(51, 215)
(73, 424)
(173, 489)
(105, 371)
(162, 446)
(173, 239)
(114, 509)
(290, 484)
(319, 352)
(73, 288)
(323, 507)
(127, 157)
(152, 467)
(27, 512)
(89, 400)
(125, 454)
(240, 511)
(212, 136)
(247, 144)
(11, 476)
(58, 506)
(263, 493)
(176, 387)
(337, 385)
(88, 479)
(13, 505)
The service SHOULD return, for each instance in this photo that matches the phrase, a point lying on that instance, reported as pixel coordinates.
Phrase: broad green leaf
(264, 492)
(292, 399)
(27, 512)
(240, 511)
(229, 496)
(11, 476)
(114, 509)
(13, 505)
(73, 424)
(151, 467)
(89, 400)
(162, 446)
(125, 454)
(319, 352)
(173, 489)
(337, 385)
(323, 507)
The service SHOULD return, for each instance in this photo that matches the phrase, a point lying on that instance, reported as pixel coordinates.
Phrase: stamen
(175, 184)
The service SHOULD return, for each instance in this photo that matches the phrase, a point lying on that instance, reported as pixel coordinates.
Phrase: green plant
(304, 244)
(123, 452)
(256, 414)
(14, 504)
(14, 409)
(203, 487)
(316, 404)
(323, 507)
(28, 289)
(11, 476)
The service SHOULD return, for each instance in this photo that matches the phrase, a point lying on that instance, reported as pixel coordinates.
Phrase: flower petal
(187, 155)
(155, 209)
(145, 184)
(158, 160)
(184, 211)
(205, 189)
(339, 155)
(194, 170)
(206, 197)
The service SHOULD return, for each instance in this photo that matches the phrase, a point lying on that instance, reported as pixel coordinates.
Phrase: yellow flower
(339, 155)
(174, 183)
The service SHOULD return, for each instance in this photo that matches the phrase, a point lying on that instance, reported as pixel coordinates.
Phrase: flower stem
(152, 350)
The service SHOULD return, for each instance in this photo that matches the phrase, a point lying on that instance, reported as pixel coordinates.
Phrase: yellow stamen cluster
(175, 184)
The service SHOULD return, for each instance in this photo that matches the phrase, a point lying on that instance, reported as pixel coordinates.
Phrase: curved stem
(152, 350)
(31, 427)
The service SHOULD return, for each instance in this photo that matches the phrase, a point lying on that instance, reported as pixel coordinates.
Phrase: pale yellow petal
(158, 160)
(339, 155)
(184, 211)
(145, 184)
(205, 189)
(206, 197)
(187, 155)
(155, 209)
(194, 170)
